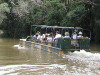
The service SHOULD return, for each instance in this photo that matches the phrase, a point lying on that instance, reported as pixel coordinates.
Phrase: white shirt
(80, 36)
(49, 39)
(66, 36)
(74, 36)
(39, 37)
(57, 36)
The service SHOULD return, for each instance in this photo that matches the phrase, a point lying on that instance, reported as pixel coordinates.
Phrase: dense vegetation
(16, 16)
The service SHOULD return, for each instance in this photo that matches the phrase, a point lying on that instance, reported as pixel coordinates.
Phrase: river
(20, 61)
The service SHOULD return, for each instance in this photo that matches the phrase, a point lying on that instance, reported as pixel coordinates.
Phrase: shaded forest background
(16, 16)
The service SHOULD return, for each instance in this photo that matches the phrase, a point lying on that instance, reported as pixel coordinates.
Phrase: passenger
(58, 35)
(49, 38)
(74, 42)
(66, 35)
(39, 37)
(80, 35)
(44, 37)
(35, 36)
(74, 36)
(38, 34)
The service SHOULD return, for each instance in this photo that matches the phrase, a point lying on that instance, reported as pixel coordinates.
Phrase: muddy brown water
(19, 61)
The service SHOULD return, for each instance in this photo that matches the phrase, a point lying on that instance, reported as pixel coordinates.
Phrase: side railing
(59, 44)
(66, 44)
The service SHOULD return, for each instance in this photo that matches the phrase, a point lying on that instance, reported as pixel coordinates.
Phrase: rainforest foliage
(16, 16)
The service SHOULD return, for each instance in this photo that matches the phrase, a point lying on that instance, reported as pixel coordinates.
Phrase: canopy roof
(55, 27)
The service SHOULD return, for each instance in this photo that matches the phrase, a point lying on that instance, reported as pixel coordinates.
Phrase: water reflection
(95, 48)
(36, 62)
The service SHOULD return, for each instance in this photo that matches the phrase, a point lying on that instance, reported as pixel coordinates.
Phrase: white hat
(80, 32)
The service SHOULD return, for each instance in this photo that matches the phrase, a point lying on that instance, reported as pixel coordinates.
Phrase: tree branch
(12, 2)
(88, 2)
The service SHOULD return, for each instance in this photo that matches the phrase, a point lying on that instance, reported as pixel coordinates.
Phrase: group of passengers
(44, 37)
(50, 37)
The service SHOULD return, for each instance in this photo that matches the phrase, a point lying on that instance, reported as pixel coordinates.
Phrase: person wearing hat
(66, 35)
(80, 35)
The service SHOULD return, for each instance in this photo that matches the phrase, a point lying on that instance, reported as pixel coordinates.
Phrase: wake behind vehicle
(69, 38)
